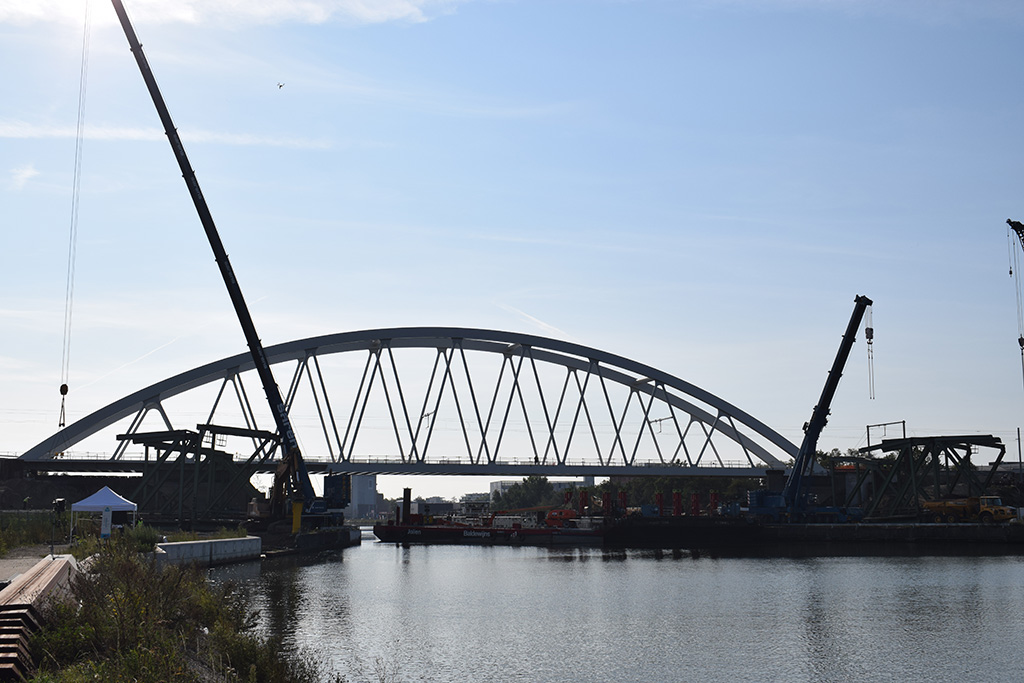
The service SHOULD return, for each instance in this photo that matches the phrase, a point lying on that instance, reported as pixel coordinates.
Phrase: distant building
(474, 504)
(364, 497)
(436, 507)
(503, 486)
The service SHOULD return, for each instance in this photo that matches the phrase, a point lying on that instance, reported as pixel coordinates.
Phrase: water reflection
(614, 556)
(458, 613)
(618, 554)
(240, 572)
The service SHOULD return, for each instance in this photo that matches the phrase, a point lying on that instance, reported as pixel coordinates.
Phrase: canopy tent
(100, 501)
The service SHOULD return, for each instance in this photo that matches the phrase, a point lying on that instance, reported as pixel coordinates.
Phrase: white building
(364, 497)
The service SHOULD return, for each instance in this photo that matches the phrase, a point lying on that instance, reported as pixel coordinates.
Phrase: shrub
(132, 620)
(30, 528)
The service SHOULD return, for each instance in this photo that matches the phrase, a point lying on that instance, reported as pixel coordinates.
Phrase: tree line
(537, 491)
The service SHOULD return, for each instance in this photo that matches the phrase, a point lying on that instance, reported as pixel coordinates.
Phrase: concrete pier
(208, 553)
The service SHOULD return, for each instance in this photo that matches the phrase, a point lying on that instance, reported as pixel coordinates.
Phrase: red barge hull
(480, 535)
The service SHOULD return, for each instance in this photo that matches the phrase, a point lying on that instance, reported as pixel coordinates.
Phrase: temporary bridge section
(920, 468)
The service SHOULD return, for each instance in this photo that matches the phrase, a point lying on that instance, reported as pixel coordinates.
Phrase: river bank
(130, 617)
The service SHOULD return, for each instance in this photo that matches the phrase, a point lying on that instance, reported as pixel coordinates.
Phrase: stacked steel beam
(20, 605)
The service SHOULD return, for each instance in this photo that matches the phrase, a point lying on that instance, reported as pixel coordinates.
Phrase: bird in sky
(280, 85)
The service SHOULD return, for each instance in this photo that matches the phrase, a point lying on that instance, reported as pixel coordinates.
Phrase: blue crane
(793, 493)
(793, 503)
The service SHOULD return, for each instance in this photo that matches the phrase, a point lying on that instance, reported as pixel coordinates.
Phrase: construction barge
(723, 529)
(708, 533)
(462, 533)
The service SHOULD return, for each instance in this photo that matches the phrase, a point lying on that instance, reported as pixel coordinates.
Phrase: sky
(702, 186)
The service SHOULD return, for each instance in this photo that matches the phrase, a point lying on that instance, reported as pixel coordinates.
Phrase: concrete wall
(210, 552)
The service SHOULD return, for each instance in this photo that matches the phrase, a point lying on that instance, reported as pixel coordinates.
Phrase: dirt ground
(20, 560)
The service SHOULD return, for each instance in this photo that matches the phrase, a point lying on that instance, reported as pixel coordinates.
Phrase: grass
(132, 620)
(237, 532)
(144, 538)
(29, 528)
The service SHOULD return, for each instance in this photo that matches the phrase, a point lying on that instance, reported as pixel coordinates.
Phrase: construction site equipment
(794, 503)
(984, 509)
(291, 481)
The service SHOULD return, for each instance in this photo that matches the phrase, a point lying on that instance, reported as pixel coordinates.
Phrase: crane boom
(292, 474)
(819, 416)
(1018, 228)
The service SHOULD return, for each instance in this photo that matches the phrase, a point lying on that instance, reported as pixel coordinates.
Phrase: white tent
(100, 501)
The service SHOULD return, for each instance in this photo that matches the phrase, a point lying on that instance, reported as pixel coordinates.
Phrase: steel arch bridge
(439, 400)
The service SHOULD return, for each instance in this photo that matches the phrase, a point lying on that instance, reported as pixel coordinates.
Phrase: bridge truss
(444, 400)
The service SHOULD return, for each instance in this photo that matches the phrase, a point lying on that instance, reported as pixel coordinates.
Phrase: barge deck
(696, 533)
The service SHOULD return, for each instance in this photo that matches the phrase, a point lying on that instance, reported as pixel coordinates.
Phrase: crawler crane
(291, 480)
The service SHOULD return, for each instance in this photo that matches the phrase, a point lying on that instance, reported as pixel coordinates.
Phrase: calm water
(464, 613)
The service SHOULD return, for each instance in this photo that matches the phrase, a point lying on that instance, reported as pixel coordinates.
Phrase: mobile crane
(793, 503)
(291, 479)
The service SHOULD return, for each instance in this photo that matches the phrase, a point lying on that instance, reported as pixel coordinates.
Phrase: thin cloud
(451, 104)
(927, 11)
(233, 12)
(24, 130)
(21, 176)
(129, 363)
(437, 101)
(34, 319)
(545, 328)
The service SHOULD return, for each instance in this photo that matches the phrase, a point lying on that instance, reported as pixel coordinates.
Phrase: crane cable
(1012, 239)
(69, 291)
(869, 334)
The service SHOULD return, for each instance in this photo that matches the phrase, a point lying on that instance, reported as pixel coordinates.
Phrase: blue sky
(701, 186)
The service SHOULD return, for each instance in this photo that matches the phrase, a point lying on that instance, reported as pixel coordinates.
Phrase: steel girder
(929, 468)
(493, 393)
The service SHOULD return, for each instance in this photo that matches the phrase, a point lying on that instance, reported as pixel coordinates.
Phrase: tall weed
(132, 620)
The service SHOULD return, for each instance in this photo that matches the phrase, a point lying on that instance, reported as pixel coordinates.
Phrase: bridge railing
(513, 462)
(382, 463)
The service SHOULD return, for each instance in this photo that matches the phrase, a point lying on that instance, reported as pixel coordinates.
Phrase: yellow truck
(984, 509)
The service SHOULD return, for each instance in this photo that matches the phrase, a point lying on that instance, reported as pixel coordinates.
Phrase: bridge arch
(475, 401)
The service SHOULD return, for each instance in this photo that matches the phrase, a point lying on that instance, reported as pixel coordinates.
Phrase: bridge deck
(385, 467)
